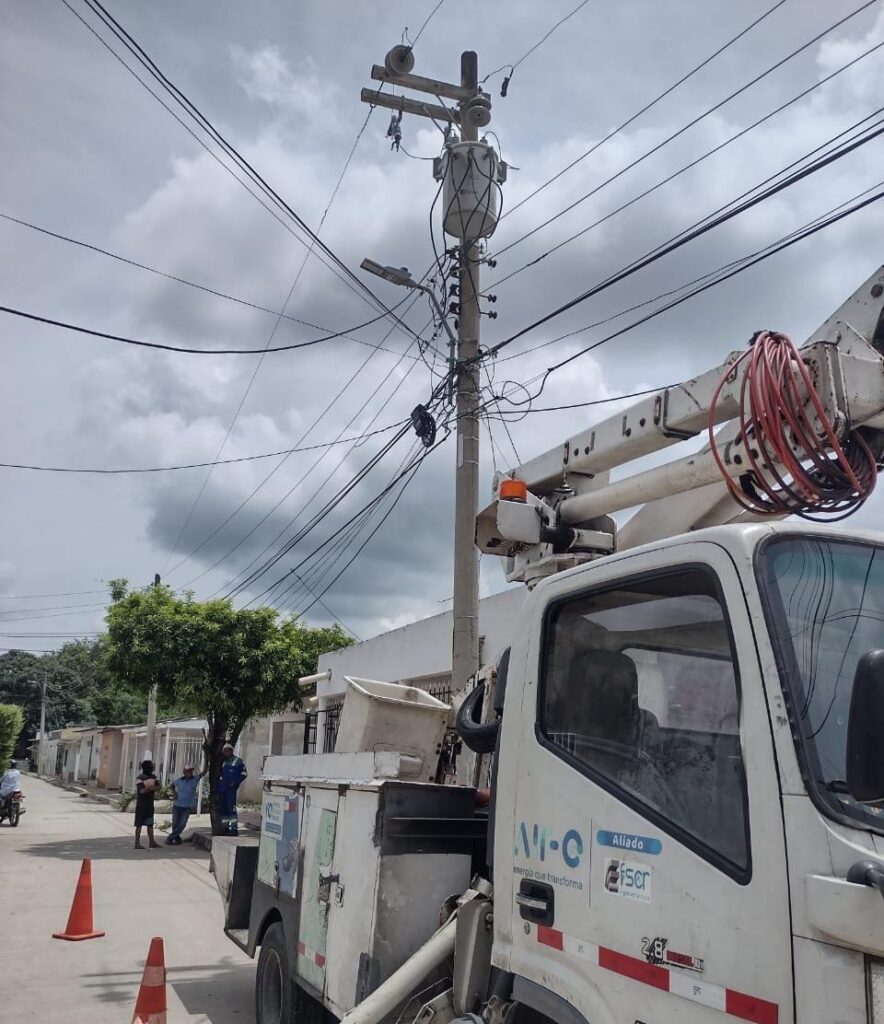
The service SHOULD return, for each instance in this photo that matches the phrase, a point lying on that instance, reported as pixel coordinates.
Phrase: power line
(193, 134)
(790, 240)
(346, 539)
(291, 523)
(690, 124)
(200, 287)
(648, 106)
(690, 165)
(703, 220)
(282, 462)
(270, 338)
(793, 179)
(64, 593)
(329, 540)
(179, 348)
(200, 465)
(427, 21)
(532, 49)
(196, 114)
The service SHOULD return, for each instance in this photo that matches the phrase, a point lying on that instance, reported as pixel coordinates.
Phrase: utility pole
(150, 740)
(473, 112)
(41, 744)
(465, 606)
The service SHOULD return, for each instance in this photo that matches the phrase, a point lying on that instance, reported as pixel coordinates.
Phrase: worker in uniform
(233, 772)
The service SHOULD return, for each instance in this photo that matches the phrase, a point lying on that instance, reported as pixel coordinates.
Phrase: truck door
(648, 874)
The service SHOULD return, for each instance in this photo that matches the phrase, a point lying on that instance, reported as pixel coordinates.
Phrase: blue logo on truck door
(538, 841)
(627, 841)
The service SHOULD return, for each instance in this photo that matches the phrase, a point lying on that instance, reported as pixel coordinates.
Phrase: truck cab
(674, 828)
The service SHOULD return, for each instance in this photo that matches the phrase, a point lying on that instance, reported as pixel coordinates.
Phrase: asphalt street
(137, 894)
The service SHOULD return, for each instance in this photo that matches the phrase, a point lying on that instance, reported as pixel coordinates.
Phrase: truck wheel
(273, 983)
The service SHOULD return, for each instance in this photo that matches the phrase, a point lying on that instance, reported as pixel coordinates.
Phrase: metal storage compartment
(380, 716)
(359, 871)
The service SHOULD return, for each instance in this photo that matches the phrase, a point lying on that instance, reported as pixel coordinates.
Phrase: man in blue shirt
(233, 772)
(184, 802)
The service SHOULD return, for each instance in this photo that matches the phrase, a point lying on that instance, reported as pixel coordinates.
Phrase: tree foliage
(227, 664)
(11, 721)
(79, 688)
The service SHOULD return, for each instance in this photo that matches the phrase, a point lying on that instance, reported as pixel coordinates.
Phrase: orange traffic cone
(80, 920)
(150, 1006)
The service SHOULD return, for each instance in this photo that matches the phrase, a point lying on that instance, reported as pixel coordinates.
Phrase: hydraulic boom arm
(569, 493)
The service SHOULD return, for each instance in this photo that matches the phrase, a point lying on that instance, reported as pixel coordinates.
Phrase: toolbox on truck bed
(355, 868)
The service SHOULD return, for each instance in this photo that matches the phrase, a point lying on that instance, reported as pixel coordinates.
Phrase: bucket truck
(684, 741)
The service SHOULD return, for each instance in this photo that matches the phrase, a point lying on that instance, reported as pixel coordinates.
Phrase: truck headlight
(875, 990)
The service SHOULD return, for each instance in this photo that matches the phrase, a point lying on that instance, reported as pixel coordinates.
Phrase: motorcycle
(11, 807)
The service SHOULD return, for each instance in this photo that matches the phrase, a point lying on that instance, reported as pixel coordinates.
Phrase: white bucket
(380, 716)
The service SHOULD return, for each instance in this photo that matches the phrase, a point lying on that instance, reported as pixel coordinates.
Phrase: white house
(418, 654)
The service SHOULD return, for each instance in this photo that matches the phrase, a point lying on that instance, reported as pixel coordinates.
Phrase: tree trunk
(214, 743)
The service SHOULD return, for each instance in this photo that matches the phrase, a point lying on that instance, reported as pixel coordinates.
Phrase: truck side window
(639, 692)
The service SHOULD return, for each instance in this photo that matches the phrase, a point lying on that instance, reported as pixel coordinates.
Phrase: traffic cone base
(150, 1006)
(79, 924)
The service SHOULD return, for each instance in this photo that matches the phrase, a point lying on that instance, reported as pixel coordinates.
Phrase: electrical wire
(277, 468)
(799, 235)
(703, 277)
(199, 287)
(274, 329)
(181, 348)
(870, 135)
(193, 112)
(688, 166)
(276, 215)
(266, 516)
(648, 106)
(358, 514)
(688, 125)
(325, 564)
(202, 465)
(35, 597)
(427, 21)
(535, 47)
(777, 401)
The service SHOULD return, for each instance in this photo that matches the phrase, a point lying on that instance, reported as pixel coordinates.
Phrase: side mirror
(865, 730)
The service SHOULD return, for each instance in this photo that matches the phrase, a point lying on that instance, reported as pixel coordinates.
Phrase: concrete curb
(111, 800)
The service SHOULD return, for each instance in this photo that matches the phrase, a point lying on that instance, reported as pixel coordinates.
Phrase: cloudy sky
(89, 154)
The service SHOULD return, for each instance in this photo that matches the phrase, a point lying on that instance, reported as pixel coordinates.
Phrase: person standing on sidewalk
(146, 790)
(233, 772)
(184, 802)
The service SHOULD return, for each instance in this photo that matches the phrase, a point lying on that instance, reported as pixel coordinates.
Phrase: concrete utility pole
(150, 739)
(465, 607)
(41, 744)
(473, 112)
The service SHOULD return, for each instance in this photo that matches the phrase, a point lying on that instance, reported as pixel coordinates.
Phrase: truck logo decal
(629, 879)
(537, 841)
(727, 1001)
(627, 841)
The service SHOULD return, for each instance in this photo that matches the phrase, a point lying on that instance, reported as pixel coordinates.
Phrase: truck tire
(273, 982)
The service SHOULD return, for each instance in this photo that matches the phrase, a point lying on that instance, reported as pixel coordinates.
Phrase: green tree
(228, 665)
(11, 721)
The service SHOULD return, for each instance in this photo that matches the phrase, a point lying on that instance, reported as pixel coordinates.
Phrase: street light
(400, 276)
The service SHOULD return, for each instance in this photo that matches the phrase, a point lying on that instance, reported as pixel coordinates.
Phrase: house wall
(109, 760)
(421, 649)
(254, 746)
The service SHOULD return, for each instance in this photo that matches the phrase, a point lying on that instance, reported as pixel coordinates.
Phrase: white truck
(687, 736)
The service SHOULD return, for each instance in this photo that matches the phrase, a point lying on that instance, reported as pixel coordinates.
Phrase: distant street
(138, 894)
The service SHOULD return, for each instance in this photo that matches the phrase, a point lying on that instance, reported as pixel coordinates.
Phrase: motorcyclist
(10, 783)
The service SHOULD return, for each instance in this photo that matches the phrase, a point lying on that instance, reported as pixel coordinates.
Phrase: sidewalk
(137, 894)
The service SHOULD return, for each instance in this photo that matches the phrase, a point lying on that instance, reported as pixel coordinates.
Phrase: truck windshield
(826, 601)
